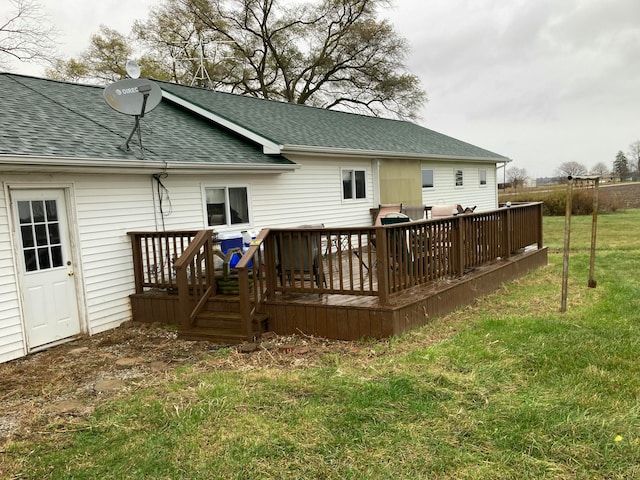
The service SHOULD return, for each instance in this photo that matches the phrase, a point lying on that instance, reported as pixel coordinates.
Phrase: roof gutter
(268, 147)
(346, 152)
(27, 163)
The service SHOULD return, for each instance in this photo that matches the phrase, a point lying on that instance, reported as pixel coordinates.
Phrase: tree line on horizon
(325, 53)
(624, 166)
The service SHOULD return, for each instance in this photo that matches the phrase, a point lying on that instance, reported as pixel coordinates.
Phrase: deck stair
(220, 323)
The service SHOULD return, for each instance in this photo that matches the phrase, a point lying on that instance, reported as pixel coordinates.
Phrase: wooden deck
(333, 283)
(347, 317)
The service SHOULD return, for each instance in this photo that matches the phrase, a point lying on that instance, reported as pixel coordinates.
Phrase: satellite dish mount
(144, 90)
(133, 96)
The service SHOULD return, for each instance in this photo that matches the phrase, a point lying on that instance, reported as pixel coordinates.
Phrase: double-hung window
(427, 178)
(459, 177)
(354, 185)
(483, 176)
(227, 206)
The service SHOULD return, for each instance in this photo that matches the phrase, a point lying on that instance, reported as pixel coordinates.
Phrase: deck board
(356, 317)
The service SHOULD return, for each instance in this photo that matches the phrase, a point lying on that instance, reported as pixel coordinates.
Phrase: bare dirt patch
(62, 385)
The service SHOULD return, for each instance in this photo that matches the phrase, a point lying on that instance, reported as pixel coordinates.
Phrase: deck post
(459, 225)
(270, 265)
(540, 237)
(245, 303)
(137, 262)
(507, 233)
(382, 264)
(183, 299)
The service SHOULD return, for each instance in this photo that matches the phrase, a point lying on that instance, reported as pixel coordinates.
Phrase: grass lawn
(512, 389)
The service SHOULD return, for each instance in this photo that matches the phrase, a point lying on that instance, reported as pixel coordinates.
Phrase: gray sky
(539, 81)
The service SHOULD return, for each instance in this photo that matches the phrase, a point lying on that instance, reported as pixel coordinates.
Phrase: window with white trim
(459, 177)
(227, 206)
(482, 173)
(354, 185)
(427, 178)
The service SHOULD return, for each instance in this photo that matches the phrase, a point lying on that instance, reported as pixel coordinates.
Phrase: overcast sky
(539, 81)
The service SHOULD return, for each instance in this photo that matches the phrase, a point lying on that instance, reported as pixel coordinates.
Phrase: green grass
(512, 390)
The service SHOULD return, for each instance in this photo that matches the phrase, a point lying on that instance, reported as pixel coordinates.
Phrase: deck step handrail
(195, 277)
(252, 283)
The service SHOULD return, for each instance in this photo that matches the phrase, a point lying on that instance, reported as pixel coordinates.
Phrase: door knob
(70, 273)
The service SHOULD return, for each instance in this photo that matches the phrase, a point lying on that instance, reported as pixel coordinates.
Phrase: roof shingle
(300, 125)
(56, 119)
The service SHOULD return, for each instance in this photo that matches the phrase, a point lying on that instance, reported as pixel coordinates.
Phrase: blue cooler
(231, 240)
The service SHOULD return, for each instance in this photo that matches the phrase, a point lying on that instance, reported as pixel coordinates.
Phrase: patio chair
(298, 257)
(399, 243)
(415, 212)
(439, 211)
(383, 211)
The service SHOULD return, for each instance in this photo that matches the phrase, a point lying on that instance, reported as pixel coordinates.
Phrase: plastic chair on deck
(299, 257)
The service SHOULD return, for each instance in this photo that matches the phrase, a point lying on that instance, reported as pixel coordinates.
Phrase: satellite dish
(132, 68)
(133, 96)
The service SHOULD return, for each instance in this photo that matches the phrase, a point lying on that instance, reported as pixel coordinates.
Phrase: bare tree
(571, 169)
(634, 155)
(26, 34)
(326, 53)
(517, 177)
(600, 169)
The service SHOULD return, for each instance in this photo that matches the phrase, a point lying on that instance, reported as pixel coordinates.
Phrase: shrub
(554, 203)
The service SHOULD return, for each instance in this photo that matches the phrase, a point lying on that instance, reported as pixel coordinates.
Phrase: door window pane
(27, 236)
(54, 233)
(24, 212)
(40, 234)
(38, 211)
(30, 260)
(52, 210)
(56, 256)
(44, 260)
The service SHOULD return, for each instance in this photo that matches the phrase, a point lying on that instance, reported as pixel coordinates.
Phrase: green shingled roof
(298, 125)
(46, 118)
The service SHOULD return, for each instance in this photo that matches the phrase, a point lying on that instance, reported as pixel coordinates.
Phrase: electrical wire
(161, 192)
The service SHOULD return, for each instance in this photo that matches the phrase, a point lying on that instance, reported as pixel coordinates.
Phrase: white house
(207, 159)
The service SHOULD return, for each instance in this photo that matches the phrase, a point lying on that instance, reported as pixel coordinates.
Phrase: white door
(47, 277)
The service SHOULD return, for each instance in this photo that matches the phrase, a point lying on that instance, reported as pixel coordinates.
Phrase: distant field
(623, 195)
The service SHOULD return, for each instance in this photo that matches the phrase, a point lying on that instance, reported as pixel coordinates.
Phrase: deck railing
(154, 255)
(374, 261)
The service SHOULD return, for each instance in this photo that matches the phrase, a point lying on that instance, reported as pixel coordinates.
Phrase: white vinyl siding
(11, 337)
(105, 207)
(310, 195)
(445, 192)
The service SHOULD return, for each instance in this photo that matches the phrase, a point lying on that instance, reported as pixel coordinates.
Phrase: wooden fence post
(567, 235)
